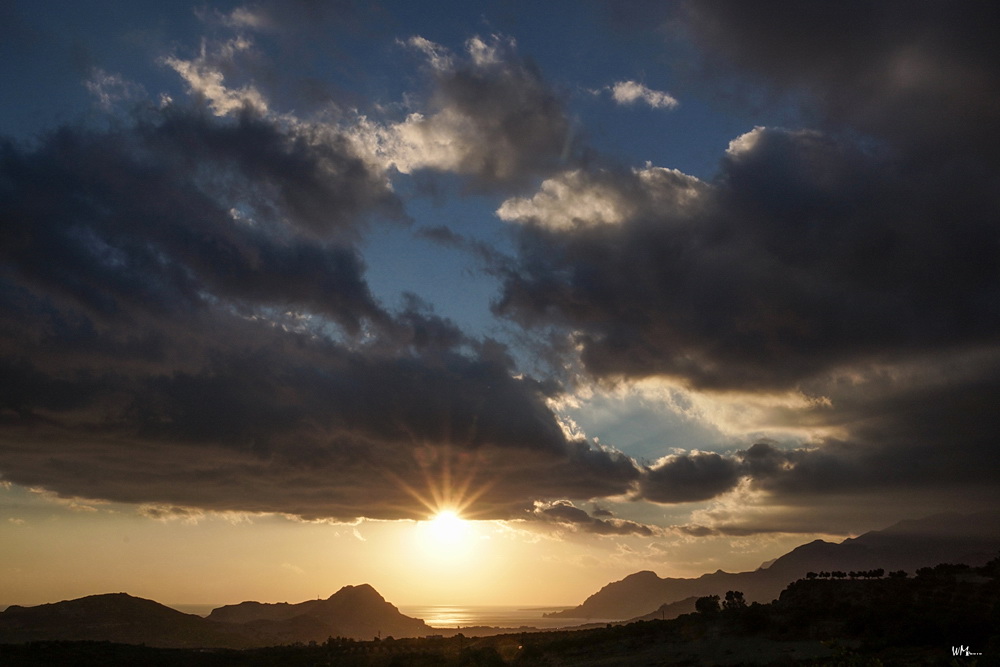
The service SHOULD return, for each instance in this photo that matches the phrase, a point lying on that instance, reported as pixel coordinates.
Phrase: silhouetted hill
(356, 612)
(907, 545)
(895, 622)
(933, 608)
(115, 617)
(972, 539)
(640, 593)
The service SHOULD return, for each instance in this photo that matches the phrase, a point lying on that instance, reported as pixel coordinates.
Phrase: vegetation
(708, 604)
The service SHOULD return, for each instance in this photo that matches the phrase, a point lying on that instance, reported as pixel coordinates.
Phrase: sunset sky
(605, 287)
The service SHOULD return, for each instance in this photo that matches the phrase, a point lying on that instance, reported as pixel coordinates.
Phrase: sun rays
(452, 484)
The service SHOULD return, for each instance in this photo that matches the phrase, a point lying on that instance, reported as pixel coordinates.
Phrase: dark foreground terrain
(946, 615)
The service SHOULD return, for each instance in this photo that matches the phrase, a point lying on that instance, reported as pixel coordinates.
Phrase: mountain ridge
(354, 612)
(360, 612)
(115, 617)
(905, 545)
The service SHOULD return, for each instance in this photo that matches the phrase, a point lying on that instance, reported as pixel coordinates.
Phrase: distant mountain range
(356, 612)
(971, 539)
(359, 612)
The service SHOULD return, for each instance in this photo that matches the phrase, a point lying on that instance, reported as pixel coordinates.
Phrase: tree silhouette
(734, 600)
(707, 605)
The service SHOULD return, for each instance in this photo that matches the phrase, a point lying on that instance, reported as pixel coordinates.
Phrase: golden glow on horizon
(274, 558)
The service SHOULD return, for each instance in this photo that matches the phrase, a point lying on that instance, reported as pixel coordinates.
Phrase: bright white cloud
(483, 53)
(745, 142)
(583, 199)
(204, 77)
(568, 200)
(630, 92)
(438, 56)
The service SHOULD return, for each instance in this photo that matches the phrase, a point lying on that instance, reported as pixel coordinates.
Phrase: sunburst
(452, 483)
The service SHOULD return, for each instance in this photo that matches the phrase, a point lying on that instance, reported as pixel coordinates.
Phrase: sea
(462, 616)
(457, 616)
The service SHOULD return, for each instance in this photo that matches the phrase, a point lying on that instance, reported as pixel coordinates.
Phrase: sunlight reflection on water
(456, 616)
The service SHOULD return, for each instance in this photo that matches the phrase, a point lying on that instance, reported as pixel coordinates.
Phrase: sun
(448, 527)
(446, 540)
(449, 531)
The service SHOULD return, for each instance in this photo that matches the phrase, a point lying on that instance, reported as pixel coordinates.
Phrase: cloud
(112, 89)
(580, 198)
(252, 418)
(915, 442)
(246, 17)
(186, 324)
(142, 221)
(689, 477)
(564, 514)
(489, 116)
(205, 79)
(630, 92)
(805, 254)
(438, 57)
(917, 76)
(850, 262)
(165, 513)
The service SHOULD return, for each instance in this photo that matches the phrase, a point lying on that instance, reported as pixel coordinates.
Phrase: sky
(486, 302)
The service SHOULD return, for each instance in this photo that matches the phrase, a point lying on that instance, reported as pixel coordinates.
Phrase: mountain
(356, 612)
(114, 617)
(972, 539)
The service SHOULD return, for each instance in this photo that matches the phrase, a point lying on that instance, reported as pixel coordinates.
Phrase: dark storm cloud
(931, 428)
(933, 433)
(312, 176)
(186, 322)
(289, 424)
(806, 253)
(810, 249)
(856, 262)
(564, 513)
(920, 75)
(689, 477)
(159, 219)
